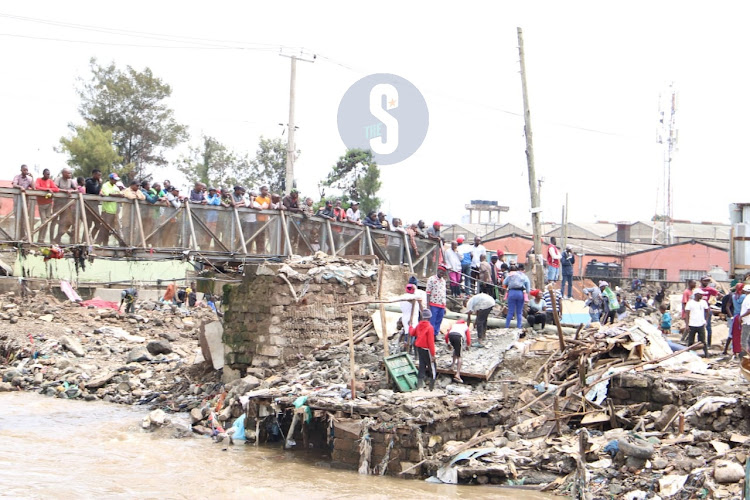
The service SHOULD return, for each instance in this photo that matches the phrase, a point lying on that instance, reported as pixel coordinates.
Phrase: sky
(595, 72)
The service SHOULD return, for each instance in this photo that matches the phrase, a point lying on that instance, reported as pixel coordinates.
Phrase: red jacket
(45, 185)
(425, 336)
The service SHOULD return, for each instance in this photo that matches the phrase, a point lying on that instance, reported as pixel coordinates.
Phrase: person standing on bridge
(44, 203)
(68, 185)
(352, 213)
(291, 202)
(109, 209)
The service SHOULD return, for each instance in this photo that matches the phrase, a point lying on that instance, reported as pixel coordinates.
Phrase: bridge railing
(116, 223)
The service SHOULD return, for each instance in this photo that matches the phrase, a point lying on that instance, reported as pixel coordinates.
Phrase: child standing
(666, 320)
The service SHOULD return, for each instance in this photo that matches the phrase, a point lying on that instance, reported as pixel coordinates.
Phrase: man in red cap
(436, 298)
(434, 231)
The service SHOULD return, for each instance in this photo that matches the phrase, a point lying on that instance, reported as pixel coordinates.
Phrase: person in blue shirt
(666, 320)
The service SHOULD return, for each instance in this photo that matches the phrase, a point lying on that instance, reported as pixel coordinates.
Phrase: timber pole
(537, 269)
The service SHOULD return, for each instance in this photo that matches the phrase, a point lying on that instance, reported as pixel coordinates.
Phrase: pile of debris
(65, 350)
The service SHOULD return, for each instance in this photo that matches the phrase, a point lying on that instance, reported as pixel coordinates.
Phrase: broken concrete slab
(73, 345)
(211, 345)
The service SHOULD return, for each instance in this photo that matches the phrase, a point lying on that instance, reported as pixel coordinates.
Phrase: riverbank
(71, 449)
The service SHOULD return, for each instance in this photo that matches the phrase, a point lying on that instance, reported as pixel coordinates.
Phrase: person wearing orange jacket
(425, 345)
(44, 203)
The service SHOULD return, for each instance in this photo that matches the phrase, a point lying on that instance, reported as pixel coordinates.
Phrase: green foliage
(367, 188)
(215, 165)
(131, 104)
(269, 164)
(88, 148)
(358, 177)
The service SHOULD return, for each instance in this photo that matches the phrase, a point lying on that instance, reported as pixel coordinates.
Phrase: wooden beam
(330, 237)
(193, 241)
(286, 234)
(140, 223)
(25, 210)
(239, 229)
(205, 228)
(101, 221)
(53, 216)
(556, 316)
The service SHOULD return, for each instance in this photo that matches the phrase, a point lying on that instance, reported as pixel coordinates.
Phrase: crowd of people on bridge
(165, 194)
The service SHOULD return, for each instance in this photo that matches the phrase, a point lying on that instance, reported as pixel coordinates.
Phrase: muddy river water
(53, 448)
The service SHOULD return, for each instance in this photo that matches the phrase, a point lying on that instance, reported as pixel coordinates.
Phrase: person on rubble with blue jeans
(567, 260)
(518, 284)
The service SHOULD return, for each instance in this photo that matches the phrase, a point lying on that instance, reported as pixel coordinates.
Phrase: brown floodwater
(54, 448)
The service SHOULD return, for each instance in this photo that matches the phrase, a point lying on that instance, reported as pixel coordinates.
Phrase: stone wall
(405, 451)
(267, 326)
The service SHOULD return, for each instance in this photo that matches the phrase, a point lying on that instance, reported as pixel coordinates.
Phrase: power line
(133, 45)
(141, 34)
(209, 44)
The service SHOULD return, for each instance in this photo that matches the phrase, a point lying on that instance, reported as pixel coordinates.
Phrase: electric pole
(537, 269)
(290, 146)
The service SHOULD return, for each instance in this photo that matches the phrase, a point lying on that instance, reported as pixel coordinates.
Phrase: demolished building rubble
(614, 413)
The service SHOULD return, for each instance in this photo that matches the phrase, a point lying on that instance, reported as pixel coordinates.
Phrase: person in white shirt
(476, 254)
(409, 314)
(482, 305)
(464, 250)
(553, 260)
(453, 263)
(352, 213)
(696, 310)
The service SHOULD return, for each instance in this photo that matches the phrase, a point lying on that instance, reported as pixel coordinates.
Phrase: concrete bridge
(138, 230)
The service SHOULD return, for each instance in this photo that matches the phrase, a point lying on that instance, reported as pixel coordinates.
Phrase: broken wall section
(281, 312)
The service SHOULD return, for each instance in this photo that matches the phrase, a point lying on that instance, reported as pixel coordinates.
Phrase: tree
(270, 163)
(358, 176)
(88, 148)
(215, 164)
(131, 104)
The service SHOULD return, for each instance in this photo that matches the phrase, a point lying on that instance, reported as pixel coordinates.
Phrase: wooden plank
(86, 231)
(351, 353)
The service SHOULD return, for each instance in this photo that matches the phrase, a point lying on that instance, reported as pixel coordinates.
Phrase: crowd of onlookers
(167, 195)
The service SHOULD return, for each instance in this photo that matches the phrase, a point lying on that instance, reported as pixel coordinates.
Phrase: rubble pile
(614, 413)
(62, 349)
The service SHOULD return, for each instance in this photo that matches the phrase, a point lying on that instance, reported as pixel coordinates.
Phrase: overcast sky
(595, 73)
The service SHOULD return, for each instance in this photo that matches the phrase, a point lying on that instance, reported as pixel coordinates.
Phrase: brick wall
(265, 326)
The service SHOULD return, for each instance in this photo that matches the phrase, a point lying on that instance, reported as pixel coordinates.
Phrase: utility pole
(290, 146)
(537, 270)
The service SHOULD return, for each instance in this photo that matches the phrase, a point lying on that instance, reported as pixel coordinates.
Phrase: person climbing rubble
(424, 343)
(609, 299)
(458, 336)
(128, 297)
(594, 303)
(482, 305)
